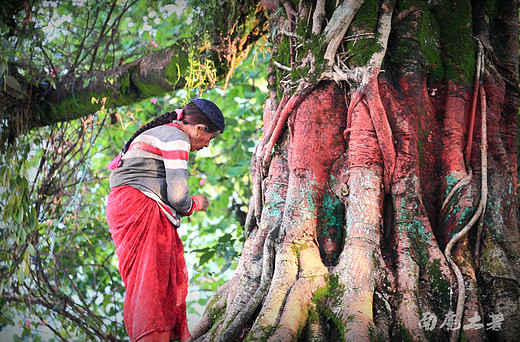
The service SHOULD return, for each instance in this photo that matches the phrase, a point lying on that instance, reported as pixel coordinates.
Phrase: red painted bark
(417, 252)
(400, 207)
(382, 128)
(359, 267)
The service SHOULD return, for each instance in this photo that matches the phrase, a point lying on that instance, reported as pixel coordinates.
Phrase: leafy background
(58, 266)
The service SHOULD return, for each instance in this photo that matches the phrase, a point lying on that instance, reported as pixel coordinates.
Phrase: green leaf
(235, 171)
(30, 249)
(204, 258)
(225, 238)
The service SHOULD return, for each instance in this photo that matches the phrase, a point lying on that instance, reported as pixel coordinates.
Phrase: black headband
(212, 112)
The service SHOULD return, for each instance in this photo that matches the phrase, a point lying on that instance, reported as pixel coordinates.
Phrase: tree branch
(152, 75)
(318, 16)
(101, 35)
(338, 26)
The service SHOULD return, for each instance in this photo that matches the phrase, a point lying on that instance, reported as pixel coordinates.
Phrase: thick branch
(318, 16)
(338, 26)
(152, 75)
(383, 29)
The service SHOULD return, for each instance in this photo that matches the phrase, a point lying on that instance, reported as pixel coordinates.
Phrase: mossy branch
(338, 26)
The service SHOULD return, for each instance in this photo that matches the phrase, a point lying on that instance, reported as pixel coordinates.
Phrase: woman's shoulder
(167, 133)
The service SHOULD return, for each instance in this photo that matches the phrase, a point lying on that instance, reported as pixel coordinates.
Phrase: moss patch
(331, 221)
(458, 46)
(440, 288)
(364, 22)
(326, 297)
(216, 313)
(430, 45)
(403, 334)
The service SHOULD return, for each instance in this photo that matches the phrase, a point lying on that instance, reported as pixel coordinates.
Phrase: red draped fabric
(151, 263)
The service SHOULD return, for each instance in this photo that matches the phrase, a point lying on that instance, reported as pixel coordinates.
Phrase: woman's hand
(202, 201)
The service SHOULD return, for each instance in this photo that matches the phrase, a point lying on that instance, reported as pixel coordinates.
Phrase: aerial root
(484, 189)
(286, 307)
(356, 97)
(201, 331)
(284, 276)
(239, 295)
(291, 105)
(478, 215)
(382, 128)
(258, 200)
(291, 15)
(237, 322)
(256, 203)
(359, 265)
(467, 151)
(275, 118)
(297, 306)
(450, 199)
(315, 326)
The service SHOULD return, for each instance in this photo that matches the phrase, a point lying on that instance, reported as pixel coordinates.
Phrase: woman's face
(200, 138)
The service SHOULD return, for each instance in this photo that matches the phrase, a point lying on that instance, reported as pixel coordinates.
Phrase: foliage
(64, 40)
(58, 268)
(70, 37)
(62, 267)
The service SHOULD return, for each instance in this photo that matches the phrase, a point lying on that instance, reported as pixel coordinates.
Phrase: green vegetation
(324, 298)
(363, 43)
(429, 41)
(458, 43)
(57, 259)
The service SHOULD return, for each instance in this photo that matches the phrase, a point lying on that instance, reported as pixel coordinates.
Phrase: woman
(149, 194)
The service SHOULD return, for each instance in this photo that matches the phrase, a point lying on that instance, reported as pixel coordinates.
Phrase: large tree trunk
(385, 203)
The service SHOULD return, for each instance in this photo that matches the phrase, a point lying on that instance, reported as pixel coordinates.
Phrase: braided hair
(192, 115)
(158, 121)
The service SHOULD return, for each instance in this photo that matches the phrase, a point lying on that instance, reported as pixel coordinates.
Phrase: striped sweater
(156, 163)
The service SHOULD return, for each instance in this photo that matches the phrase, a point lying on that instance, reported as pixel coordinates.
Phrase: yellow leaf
(25, 268)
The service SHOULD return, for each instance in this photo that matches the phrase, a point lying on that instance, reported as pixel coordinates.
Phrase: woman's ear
(198, 129)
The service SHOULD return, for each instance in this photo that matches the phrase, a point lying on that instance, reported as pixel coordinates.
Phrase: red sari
(151, 263)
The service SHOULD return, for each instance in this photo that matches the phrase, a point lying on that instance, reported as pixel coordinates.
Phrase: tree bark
(389, 194)
(152, 75)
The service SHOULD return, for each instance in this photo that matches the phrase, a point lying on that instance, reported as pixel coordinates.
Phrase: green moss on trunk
(429, 42)
(216, 313)
(458, 45)
(361, 48)
(325, 298)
